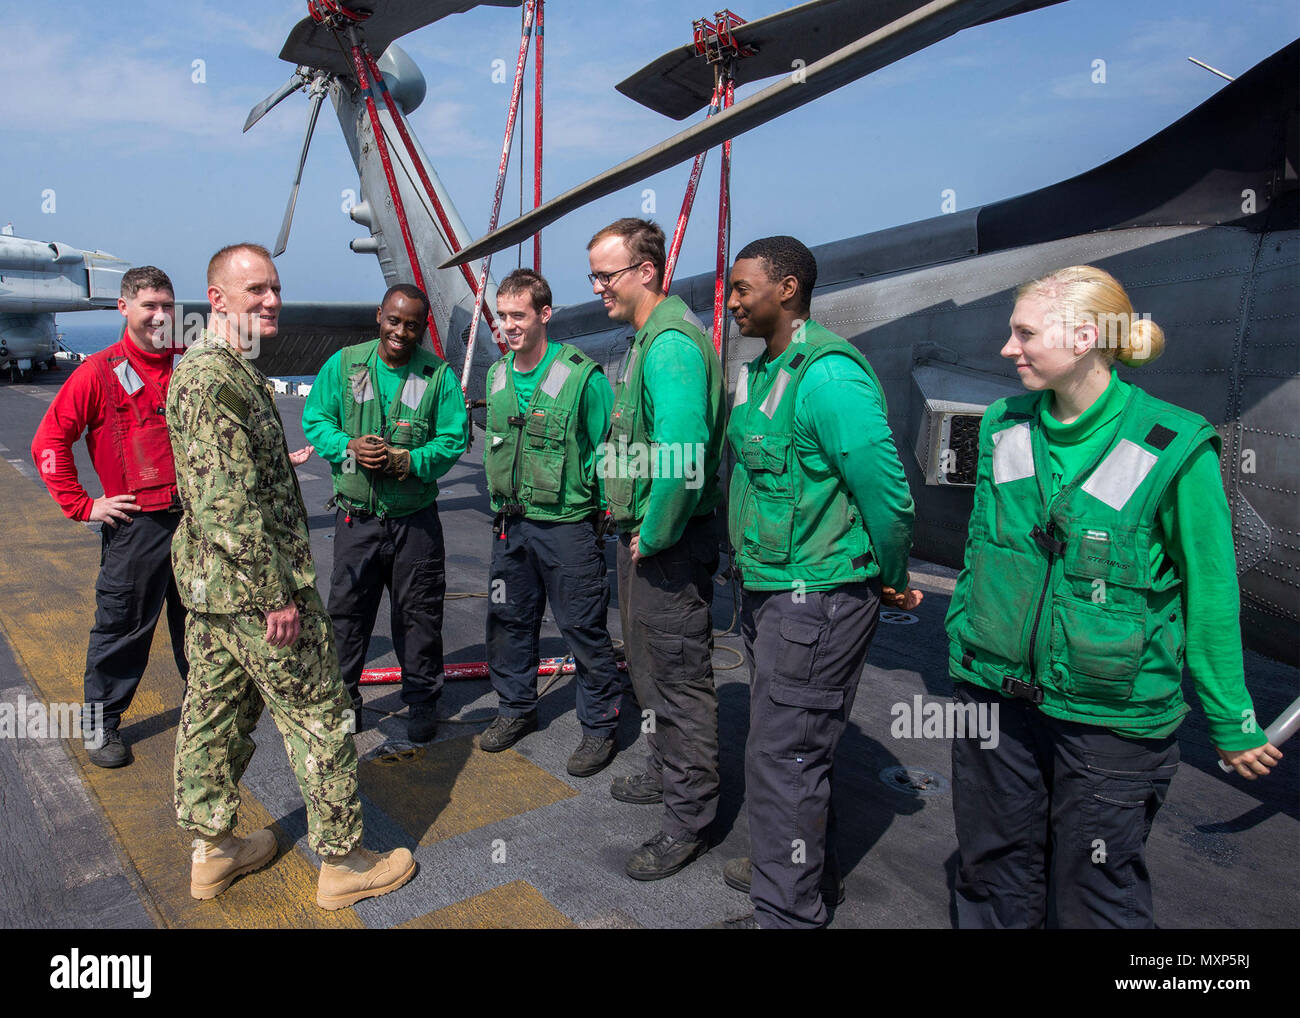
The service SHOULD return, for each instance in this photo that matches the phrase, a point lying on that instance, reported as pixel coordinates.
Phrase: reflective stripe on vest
(362, 389)
(131, 382)
(1120, 474)
(774, 396)
(1013, 454)
(627, 365)
(413, 391)
(556, 377)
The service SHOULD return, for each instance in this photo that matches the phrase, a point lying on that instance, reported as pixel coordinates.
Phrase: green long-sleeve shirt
(840, 427)
(322, 418)
(676, 402)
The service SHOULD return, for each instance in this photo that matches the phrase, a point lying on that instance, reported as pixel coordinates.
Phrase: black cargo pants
(665, 604)
(534, 562)
(135, 583)
(1052, 823)
(806, 650)
(406, 555)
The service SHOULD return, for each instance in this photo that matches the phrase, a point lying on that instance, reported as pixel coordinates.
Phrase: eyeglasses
(605, 278)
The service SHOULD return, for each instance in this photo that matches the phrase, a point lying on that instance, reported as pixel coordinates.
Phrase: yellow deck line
(446, 788)
(517, 905)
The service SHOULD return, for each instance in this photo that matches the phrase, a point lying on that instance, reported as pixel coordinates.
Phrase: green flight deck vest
(535, 460)
(1063, 608)
(404, 425)
(627, 492)
(785, 525)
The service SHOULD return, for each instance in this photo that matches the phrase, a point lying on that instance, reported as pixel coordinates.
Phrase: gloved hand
(399, 463)
(369, 451)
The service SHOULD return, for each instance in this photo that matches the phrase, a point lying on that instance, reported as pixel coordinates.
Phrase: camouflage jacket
(242, 544)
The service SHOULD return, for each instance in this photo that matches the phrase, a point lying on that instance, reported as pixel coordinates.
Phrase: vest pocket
(409, 434)
(541, 471)
(1113, 555)
(499, 464)
(543, 457)
(768, 515)
(546, 429)
(994, 621)
(768, 527)
(1099, 650)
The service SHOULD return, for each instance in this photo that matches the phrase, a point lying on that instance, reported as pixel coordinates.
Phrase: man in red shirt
(118, 399)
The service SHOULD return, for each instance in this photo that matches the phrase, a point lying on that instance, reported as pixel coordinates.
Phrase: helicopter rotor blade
(295, 82)
(913, 31)
(317, 96)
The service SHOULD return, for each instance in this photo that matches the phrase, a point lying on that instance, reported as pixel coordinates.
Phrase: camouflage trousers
(233, 673)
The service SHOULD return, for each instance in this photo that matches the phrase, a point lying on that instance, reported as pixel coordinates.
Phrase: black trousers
(405, 555)
(665, 603)
(806, 652)
(135, 583)
(533, 563)
(1052, 823)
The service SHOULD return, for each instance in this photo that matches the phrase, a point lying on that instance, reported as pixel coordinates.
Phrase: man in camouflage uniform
(257, 632)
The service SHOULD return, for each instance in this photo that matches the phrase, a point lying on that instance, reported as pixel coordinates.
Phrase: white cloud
(264, 32)
(101, 90)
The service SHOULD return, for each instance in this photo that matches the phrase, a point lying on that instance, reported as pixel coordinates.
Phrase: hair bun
(1146, 342)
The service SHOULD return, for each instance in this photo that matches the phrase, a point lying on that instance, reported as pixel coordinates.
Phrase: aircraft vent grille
(949, 403)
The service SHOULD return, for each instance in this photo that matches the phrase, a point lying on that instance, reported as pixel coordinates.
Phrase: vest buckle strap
(1044, 540)
(353, 510)
(506, 511)
(516, 420)
(1019, 690)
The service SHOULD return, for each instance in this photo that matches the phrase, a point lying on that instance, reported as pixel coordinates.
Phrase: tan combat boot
(346, 879)
(216, 862)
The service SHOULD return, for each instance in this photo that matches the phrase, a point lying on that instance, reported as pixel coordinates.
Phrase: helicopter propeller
(319, 86)
(297, 80)
(917, 26)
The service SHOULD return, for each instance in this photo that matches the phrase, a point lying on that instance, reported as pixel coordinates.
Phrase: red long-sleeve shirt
(82, 405)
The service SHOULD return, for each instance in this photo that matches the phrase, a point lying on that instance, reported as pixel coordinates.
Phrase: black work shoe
(358, 719)
(112, 751)
(504, 732)
(640, 789)
(423, 722)
(739, 873)
(662, 856)
(593, 754)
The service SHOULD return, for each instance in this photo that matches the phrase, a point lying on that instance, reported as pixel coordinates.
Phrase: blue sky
(151, 166)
